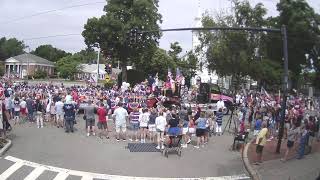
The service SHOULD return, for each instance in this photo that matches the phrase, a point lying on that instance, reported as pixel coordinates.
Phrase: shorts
(135, 126)
(152, 127)
(159, 131)
(90, 122)
(174, 131)
(192, 130)
(259, 149)
(121, 127)
(290, 144)
(23, 111)
(102, 125)
(200, 132)
(16, 113)
(185, 130)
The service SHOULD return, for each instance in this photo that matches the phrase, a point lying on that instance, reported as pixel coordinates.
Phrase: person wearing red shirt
(102, 122)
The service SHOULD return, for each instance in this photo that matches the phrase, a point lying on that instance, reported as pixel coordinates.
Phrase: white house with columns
(27, 64)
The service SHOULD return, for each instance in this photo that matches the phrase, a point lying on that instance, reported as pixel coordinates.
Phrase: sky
(176, 14)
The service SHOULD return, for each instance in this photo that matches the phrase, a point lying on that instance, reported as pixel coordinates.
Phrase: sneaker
(189, 141)
(137, 140)
(93, 134)
(38, 126)
(197, 147)
(118, 140)
(124, 140)
(130, 140)
(184, 145)
(158, 147)
(162, 147)
(88, 134)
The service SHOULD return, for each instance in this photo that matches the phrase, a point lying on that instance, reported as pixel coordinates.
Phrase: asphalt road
(51, 146)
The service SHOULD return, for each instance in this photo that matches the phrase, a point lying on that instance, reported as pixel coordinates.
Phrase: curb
(6, 147)
(252, 172)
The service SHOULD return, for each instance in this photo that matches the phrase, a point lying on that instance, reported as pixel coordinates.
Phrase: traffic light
(108, 68)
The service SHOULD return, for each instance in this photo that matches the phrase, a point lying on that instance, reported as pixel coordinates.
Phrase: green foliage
(40, 74)
(69, 66)
(10, 47)
(134, 77)
(303, 33)
(90, 56)
(110, 31)
(50, 53)
(2, 69)
(239, 54)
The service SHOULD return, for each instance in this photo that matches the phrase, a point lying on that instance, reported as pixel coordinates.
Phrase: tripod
(229, 123)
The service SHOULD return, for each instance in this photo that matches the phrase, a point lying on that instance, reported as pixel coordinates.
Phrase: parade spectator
(39, 111)
(90, 118)
(219, 116)
(160, 127)
(120, 116)
(59, 112)
(184, 117)
(152, 124)
(69, 115)
(303, 140)
(260, 143)
(134, 122)
(16, 110)
(200, 130)
(102, 121)
(30, 105)
(144, 120)
(23, 108)
(292, 136)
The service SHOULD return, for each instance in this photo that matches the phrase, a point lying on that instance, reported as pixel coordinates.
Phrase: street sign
(107, 78)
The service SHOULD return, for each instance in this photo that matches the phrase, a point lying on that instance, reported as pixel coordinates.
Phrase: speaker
(204, 88)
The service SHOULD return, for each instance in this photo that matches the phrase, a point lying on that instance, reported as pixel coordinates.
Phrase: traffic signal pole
(98, 64)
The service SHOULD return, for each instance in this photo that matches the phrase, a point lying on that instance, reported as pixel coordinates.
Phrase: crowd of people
(59, 106)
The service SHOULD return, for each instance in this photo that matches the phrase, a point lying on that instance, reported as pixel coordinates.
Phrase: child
(16, 110)
(201, 130)
(152, 126)
(143, 120)
(219, 117)
(160, 127)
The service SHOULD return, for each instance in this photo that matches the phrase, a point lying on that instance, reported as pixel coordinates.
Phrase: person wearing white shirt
(59, 113)
(120, 116)
(161, 123)
(220, 104)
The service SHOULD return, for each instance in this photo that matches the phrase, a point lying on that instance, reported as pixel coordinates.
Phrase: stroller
(173, 145)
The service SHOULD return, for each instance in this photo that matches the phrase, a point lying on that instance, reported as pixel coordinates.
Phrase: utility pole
(285, 86)
(98, 63)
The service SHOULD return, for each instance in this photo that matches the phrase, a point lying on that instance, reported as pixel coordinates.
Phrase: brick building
(27, 64)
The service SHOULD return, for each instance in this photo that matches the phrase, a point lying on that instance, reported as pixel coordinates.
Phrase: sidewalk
(272, 168)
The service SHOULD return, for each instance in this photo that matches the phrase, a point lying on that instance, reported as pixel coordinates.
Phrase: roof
(92, 68)
(30, 58)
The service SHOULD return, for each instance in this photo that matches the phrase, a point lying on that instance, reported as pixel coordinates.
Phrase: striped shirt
(219, 116)
(134, 117)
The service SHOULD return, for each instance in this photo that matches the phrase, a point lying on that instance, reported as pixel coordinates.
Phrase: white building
(202, 72)
(90, 71)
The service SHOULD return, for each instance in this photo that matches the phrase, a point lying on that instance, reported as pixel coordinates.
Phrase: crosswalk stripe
(61, 176)
(64, 173)
(35, 173)
(11, 170)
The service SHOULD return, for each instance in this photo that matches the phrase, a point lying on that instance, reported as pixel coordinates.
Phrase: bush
(40, 74)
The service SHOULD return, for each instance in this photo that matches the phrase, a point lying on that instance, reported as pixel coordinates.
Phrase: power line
(50, 11)
(52, 36)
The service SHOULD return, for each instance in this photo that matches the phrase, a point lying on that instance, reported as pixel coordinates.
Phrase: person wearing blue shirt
(201, 129)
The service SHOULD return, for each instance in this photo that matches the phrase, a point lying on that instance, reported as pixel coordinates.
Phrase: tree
(10, 47)
(50, 53)
(237, 53)
(90, 56)
(114, 34)
(69, 66)
(303, 34)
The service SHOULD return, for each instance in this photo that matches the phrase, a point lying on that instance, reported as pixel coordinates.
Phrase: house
(27, 64)
(90, 71)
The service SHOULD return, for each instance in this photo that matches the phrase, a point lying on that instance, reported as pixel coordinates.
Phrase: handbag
(84, 117)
